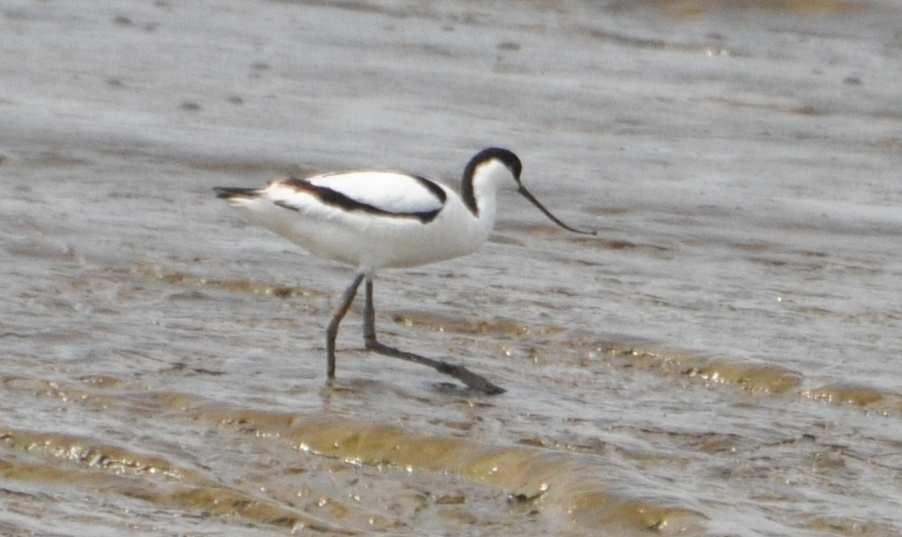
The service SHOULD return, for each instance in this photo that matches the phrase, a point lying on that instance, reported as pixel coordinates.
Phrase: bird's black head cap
(505, 156)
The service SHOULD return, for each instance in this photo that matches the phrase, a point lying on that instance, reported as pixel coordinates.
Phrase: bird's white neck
(480, 193)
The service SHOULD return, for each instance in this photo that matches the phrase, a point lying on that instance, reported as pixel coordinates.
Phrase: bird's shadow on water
(344, 389)
(456, 390)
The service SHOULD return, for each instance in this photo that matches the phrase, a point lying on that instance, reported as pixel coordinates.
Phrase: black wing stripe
(436, 190)
(334, 198)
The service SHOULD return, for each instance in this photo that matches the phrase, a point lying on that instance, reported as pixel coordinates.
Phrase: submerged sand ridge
(568, 488)
(563, 480)
(561, 346)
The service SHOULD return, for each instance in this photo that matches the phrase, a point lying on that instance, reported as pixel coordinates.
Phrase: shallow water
(722, 360)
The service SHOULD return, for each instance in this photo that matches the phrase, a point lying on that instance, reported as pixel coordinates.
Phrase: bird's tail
(236, 197)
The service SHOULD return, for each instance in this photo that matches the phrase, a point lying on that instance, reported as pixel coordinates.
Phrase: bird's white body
(390, 224)
(375, 220)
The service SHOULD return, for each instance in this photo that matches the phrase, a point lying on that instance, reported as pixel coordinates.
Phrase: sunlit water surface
(724, 359)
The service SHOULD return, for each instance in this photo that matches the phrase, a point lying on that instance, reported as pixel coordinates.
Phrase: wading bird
(373, 220)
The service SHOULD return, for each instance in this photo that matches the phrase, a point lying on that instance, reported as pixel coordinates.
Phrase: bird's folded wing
(380, 193)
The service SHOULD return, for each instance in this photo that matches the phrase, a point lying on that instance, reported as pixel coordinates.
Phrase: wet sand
(721, 360)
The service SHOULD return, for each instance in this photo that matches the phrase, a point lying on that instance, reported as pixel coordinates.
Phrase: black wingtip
(226, 193)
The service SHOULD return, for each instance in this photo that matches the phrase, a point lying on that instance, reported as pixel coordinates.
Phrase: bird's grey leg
(369, 317)
(332, 331)
(459, 372)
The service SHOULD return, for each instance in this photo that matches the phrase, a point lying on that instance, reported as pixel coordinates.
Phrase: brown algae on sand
(88, 452)
(446, 323)
(203, 500)
(69, 460)
(563, 485)
(753, 377)
(569, 488)
(222, 501)
(750, 376)
(856, 395)
(235, 285)
(801, 7)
